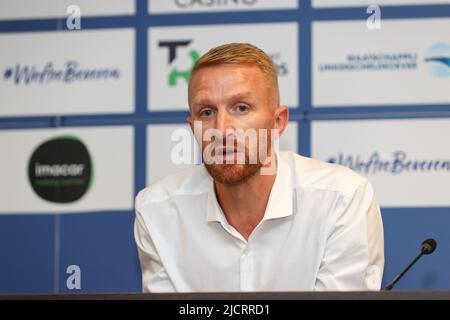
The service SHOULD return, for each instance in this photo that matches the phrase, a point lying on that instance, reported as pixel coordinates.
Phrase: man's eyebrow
(201, 102)
(204, 100)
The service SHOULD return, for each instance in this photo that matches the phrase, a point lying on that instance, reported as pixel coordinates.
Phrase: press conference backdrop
(88, 108)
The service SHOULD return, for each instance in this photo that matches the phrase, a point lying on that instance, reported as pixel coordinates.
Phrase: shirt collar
(280, 202)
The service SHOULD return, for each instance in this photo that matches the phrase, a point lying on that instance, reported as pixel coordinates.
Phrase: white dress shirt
(321, 230)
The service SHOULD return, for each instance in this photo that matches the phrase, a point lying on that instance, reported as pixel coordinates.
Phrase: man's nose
(224, 123)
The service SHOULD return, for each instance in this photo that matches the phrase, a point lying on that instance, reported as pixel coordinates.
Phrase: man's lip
(221, 150)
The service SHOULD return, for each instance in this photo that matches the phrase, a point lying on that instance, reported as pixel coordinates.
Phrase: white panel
(39, 9)
(45, 73)
(188, 6)
(279, 40)
(353, 65)
(408, 161)
(111, 152)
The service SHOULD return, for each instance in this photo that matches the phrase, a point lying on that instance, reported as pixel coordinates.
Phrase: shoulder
(190, 181)
(316, 174)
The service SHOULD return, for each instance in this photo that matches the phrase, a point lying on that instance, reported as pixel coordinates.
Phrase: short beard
(232, 174)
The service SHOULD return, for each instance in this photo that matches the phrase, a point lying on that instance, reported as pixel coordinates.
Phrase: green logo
(172, 54)
(175, 74)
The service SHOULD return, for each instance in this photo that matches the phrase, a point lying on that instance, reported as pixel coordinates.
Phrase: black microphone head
(428, 246)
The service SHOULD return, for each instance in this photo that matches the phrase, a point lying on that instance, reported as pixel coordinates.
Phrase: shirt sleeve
(354, 254)
(154, 275)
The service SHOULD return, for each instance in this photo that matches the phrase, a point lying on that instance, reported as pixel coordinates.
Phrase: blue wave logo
(71, 72)
(396, 164)
(438, 60)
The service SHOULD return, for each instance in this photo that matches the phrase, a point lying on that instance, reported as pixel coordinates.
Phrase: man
(231, 225)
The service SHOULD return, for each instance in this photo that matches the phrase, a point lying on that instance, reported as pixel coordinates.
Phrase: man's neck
(244, 205)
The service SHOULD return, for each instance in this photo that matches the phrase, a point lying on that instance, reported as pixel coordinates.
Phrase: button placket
(247, 270)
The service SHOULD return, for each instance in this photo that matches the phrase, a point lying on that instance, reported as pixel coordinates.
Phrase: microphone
(428, 247)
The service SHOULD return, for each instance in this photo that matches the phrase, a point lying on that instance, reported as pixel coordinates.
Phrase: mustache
(228, 145)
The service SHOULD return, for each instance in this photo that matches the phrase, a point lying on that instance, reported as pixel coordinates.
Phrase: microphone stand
(398, 277)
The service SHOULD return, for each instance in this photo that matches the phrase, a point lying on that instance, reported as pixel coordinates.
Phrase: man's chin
(232, 174)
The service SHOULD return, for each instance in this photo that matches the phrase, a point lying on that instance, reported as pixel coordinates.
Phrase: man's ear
(281, 118)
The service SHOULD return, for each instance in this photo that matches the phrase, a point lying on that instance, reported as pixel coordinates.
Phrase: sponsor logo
(438, 60)
(373, 62)
(60, 170)
(396, 163)
(172, 52)
(280, 64)
(49, 73)
(185, 4)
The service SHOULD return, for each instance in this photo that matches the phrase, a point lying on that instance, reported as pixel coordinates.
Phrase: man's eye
(206, 113)
(242, 108)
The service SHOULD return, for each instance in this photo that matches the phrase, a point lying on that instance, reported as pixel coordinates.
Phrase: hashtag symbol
(8, 73)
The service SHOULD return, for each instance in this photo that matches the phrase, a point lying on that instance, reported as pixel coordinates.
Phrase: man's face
(229, 98)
